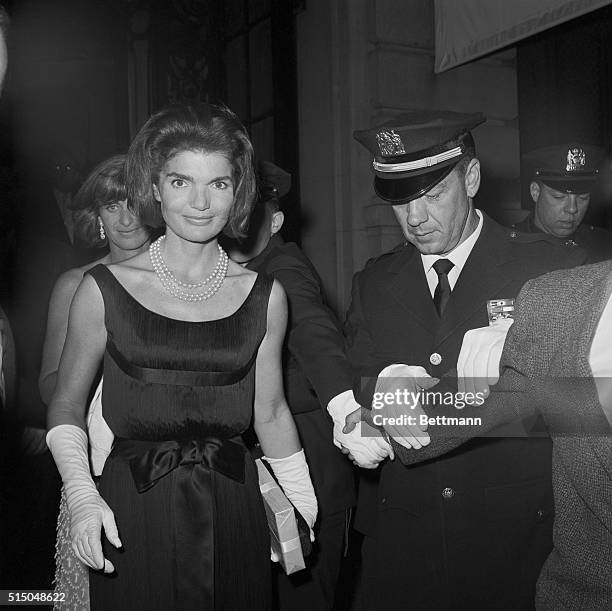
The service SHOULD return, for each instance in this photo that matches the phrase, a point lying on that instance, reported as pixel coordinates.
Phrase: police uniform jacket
(596, 241)
(538, 372)
(315, 369)
(448, 518)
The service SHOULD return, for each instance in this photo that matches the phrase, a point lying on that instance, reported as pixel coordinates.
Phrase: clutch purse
(289, 533)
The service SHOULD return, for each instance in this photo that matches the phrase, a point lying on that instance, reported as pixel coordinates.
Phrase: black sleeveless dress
(184, 491)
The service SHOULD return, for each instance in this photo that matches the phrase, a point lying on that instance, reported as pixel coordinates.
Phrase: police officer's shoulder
(516, 236)
(537, 240)
(547, 248)
(599, 232)
(375, 268)
(288, 256)
(288, 250)
(596, 240)
(389, 256)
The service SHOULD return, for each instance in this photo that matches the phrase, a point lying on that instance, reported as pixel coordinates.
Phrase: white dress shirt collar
(458, 256)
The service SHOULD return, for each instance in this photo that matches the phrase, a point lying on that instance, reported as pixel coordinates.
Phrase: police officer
(562, 178)
(469, 530)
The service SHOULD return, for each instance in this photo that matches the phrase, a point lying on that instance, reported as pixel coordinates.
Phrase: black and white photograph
(306, 305)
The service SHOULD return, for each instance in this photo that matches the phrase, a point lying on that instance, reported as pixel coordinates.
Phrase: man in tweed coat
(557, 360)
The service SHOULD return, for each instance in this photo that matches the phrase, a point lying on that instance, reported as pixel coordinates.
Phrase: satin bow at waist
(150, 461)
(193, 499)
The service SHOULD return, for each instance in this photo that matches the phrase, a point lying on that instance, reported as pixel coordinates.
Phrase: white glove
(88, 510)
(409, 379)
(367, 445)
(101, 438)
(478, 362)
(294, 478)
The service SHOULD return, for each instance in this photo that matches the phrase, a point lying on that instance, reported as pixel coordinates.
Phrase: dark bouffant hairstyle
(202, 128)
(104, 185)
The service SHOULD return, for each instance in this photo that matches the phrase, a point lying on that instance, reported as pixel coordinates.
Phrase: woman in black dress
(191, 344)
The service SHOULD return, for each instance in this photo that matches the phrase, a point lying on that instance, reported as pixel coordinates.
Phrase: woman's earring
(102, 232)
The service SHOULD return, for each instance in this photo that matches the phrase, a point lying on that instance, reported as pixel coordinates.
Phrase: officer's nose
(416, 212)
(571, 204)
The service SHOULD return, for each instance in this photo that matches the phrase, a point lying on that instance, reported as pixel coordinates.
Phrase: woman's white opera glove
(87, 509)
(294, 478)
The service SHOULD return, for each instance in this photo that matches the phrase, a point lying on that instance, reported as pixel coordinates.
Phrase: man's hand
(478, 362)
(364, 446)
(362, 418)
(396, 404)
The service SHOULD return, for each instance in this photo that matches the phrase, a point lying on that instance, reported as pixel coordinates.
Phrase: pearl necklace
(155, 249)
(185, 291)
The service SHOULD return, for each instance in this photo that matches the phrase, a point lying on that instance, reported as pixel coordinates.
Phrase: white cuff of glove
(342, 405)
(294, 478)
(399, 370)
(367, 451)
(68, 444)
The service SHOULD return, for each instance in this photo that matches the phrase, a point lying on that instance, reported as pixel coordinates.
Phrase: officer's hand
(378, 439)
(396, 404)
(478, 362)
(366, 447)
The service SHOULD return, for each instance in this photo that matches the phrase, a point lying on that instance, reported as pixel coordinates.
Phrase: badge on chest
(500, 308)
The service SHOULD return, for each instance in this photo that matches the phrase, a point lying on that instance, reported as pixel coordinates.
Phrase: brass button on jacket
(435, 359)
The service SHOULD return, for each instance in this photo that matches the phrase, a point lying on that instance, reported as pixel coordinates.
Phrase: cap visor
(577, 184)
(400, 190)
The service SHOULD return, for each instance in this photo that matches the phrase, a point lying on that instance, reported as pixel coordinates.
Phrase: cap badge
(576, 159)
(390, 143)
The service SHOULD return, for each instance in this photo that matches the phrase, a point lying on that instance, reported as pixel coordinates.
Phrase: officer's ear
(276, 222)
(472, 177)
(534, 191)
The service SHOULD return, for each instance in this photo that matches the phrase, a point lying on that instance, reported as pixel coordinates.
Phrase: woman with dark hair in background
(102, 218)
(191, 344)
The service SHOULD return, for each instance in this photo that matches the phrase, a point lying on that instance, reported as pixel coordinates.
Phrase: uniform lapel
(485, 275)
(408, 287)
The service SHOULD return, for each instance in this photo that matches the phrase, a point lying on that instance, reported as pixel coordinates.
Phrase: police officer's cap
(571, 168)
(416, 150)
(274, 182)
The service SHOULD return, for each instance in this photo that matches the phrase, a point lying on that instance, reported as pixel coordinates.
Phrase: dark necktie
(443, 290)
